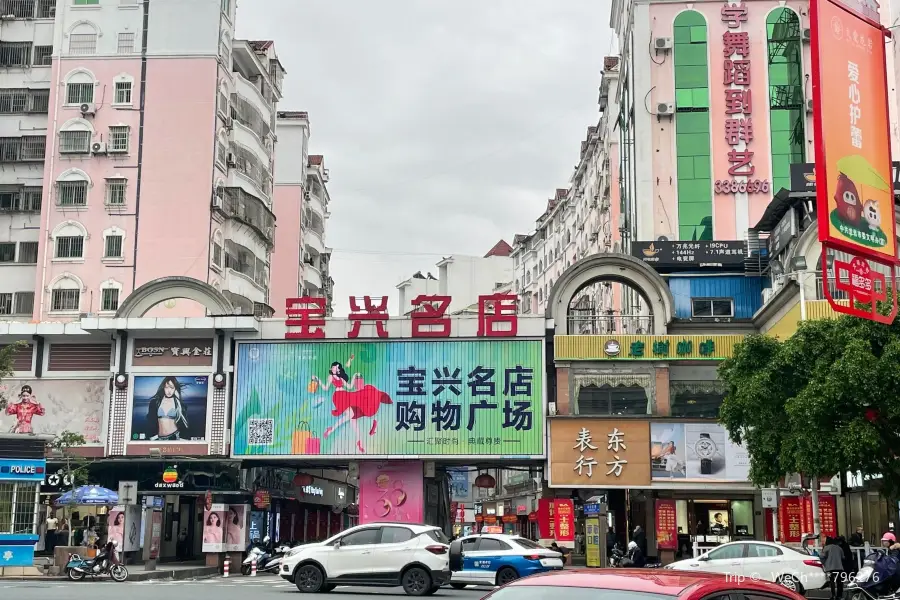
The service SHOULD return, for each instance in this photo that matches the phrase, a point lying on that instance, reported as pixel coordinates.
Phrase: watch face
(705, 448)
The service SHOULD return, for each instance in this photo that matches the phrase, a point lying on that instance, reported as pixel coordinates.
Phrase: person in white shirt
(50, 537)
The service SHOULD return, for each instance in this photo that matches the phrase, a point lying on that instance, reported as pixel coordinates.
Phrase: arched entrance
(152, 293)
(654, 296)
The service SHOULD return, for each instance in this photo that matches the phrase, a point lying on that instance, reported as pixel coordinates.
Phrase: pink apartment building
(156, 158)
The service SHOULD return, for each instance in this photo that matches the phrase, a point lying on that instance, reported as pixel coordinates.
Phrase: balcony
(615, 324)
(248, 164)
(240, 260)
(314, 201)
(313, 241)
(311, 274)
(251, 211)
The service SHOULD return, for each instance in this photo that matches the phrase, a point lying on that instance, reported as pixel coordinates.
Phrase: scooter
(77, 568)
(879, 578)
(265, 562)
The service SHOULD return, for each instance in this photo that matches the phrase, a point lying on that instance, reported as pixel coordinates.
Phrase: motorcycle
(77, 568)
(879, 577)
(265, 562)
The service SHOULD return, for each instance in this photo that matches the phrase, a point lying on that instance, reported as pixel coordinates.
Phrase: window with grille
(34, 147)
(221, 153)
(20, 9)
(15, 54)
(70, 246)
(223, 103)
(74, 142)
(43, 56)
(118, 138)
(6, 304)
(46, 9)
(13, 100)
(38, 101)
(17, 508)
(31, 199)
(217, 254)
(10, 149)
(86, 2)
(24, 303)
(28, 252)
(113, 246)
(9, 200)
(79, 93)
(72, 193)
(109, 299)
(82, 43)
(65, 300)
(123, 92)
(115, 191)
(7, 252)
(126, 43)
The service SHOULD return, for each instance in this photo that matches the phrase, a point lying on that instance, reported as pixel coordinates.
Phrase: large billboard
(853, 147)
(390, 399)
(696, 452)
(169, 408)
(51, 406)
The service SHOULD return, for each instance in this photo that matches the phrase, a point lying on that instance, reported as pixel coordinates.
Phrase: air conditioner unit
(809, 106)
(767, 295)
(230, 160)
(807, 34)
(88, 109)
(665, 109)
(229, 122)
(98, 148)
(217, 202)
(7, 17)
(662, 43)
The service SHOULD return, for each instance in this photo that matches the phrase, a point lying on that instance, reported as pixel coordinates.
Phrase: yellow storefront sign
(645, 347)
(592, 541)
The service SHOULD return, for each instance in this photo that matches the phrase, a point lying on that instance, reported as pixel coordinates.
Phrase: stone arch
(611, 267)
(141, 300)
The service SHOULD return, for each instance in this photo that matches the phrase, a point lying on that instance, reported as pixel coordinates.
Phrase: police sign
(12, 469)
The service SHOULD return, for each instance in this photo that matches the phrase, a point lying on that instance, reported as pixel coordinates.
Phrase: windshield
(541, 592)
(528, 544)
(438, 536)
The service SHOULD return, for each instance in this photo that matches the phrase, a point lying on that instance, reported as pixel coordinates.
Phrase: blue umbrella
(88, 495)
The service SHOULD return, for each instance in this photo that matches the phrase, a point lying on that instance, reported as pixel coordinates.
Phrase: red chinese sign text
(565, 520)
(429, 320)
(666, 525)
(371, 312)
(306, 313)
(495, 312)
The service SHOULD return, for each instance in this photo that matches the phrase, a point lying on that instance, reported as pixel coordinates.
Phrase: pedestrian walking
(833, 562)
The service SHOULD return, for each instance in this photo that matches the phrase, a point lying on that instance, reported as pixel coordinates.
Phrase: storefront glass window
(681, 516)
(742, 517)
(787, 110)
(610, 400)
(17, 508)
(697, 399)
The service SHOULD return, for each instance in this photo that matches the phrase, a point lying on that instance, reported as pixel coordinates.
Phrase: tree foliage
(75, 465)
(822, 402)
(7, 356)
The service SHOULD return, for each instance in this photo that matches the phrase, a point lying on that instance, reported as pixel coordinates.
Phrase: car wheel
(505, 575)
(458, 586)
(791, 583)
(309, 579)
(416, 582)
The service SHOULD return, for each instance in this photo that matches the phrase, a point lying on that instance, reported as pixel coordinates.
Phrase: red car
(639, 584)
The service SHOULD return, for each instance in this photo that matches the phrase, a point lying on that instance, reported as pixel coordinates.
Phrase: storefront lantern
(533, 516)
(302, 479)
(485, 481)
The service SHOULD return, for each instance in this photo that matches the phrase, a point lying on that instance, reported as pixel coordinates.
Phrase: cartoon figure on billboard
(857, 215)
(24, 410)
(352, 399)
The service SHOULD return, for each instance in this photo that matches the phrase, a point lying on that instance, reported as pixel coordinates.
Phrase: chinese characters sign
(456, 398)
(645, 347)
(853, 154)
(827, 515)
(599, 453)
(666, 525)
(159, 352)
(790, 519)
(690, 255)
(738, 129)
(565, 519)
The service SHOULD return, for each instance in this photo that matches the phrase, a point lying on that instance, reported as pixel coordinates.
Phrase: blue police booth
(20, 480)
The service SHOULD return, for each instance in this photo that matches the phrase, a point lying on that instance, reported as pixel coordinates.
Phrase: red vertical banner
(666, 525)
(790, 519)
(827, 515)
(545, 519)
(565, 520)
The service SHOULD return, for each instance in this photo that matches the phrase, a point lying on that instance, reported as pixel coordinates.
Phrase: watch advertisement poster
(696, 452)
(666, 525)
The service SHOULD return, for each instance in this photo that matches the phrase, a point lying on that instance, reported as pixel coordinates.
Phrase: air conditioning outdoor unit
(88, 109)
(229, 122)
(807, 34)
(767, 294)
(98, 148)
(665, 109)
(230, 160)
(809, 105)
(662, 43)
(217, 201)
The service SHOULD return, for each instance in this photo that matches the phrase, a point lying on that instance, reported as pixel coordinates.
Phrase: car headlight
(294, 551)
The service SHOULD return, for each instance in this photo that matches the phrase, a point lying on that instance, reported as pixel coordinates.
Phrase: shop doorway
(187, 519)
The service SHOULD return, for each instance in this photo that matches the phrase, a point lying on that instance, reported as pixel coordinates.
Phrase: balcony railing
(250, 210)
(246, 161)
(241, 259)
(247, 115)
(610, 324)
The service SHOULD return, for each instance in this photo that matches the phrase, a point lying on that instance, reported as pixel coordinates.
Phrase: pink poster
(391, 491)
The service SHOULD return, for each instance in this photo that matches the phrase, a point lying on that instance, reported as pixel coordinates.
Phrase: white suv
(378, 554)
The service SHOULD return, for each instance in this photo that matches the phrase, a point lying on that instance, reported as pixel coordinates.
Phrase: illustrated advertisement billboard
(169, 408)
(391, 492)
(51, 406)
(390, 399)
(855, 205)
(696, 452)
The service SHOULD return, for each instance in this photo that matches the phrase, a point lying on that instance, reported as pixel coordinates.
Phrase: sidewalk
(136, 572)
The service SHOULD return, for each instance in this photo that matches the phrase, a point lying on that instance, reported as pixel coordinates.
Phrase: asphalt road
(232, 588)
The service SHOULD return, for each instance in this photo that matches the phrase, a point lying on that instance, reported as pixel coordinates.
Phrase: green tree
(822, 402)
(76, 466)
(7, 356)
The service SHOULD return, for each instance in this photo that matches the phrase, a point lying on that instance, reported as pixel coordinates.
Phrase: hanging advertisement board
(696, 452)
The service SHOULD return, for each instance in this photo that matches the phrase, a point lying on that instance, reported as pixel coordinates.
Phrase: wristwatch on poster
(705, 449)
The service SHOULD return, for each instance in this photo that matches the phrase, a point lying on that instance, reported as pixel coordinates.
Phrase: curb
(174, 574)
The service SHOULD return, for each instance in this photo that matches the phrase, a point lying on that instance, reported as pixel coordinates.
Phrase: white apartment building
(317, 279)
(463, 278)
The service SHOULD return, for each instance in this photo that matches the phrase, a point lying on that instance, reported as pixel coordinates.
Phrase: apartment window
(20, 9)
(72, 193)
(46, 9)
(24, 303)
(625, 398)
(70, 246)
(115, 192)
(82, 43)
(28, 253)
(118, 138)
(6, 304)
(79, 93)
(7, 252)
(13, 100)
(217, 254)
(65, 300)
(712, 307)
(38, 101)
(123, 92)
(10, 148)
(109, 300)
(126, 43)
(74, 142)
(223, 103)
(34, 147)
(15, 54)
(32, 199)
(86, 2)
(113, 246)
(43, 56)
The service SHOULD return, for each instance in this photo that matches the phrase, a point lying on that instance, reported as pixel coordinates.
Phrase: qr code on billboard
(261, 432)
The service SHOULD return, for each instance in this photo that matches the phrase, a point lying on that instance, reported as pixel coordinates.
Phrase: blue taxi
(497, 559)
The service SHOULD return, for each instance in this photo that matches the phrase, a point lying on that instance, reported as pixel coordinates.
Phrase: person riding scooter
(634, 557)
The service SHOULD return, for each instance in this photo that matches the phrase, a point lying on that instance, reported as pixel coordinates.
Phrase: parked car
(794, 569)
(378, 554)
(497, 559)
(637, 584)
